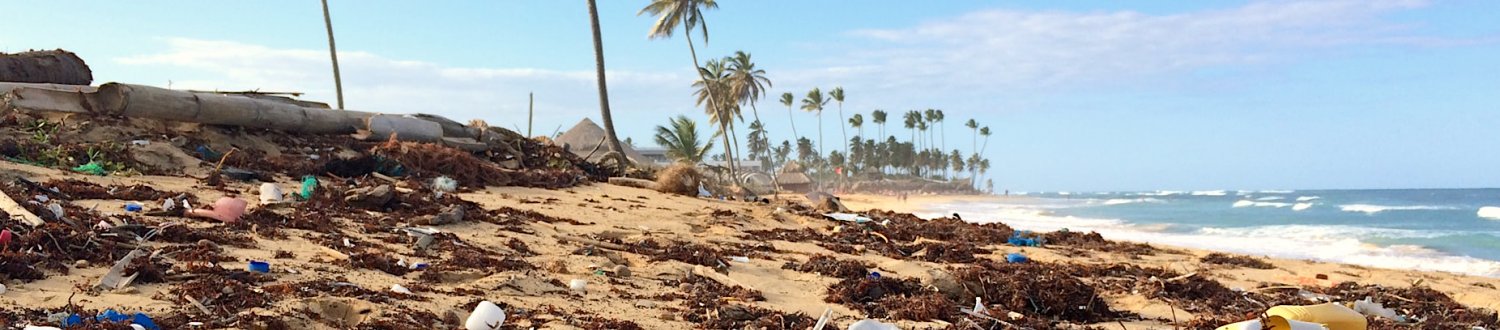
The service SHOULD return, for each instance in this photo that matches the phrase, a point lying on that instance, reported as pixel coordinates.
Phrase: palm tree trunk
(609, 122)
(736, 140)
(820, 133)
(713, 106)
(790, 116)
(338, 82)
(841, 128)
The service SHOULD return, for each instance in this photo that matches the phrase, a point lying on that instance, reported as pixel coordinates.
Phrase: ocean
(1451, 230)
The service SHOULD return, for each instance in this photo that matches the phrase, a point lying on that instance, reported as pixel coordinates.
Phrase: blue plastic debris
(111, 315)
(260, 266)
(874, 275)
(1020, 238)
(1016, 258)
(72, 320)
(133, 207)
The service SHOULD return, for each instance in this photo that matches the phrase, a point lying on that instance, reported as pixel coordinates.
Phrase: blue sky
(1082, 95)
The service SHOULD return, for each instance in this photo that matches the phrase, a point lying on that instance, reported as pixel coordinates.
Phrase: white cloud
(1008, 49)
(376, 83)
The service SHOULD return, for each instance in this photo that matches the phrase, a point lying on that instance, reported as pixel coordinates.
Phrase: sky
(1081, 95)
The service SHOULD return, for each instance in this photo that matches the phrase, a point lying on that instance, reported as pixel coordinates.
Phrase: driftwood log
(45, 66)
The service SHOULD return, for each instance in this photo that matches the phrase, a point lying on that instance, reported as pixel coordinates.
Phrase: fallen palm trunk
(48, 66)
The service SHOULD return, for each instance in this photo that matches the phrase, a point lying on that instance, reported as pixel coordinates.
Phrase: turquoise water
(1430, 229)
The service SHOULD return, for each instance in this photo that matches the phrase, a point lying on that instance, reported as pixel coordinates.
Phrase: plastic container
(259, 266)
(868, 324)
(133, 207)
(486, 316)
(1016, 258)
(578, 285)
(270, 193)
(5, 236)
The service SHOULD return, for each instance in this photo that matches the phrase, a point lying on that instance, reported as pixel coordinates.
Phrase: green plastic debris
(91, 168)
(309, 184)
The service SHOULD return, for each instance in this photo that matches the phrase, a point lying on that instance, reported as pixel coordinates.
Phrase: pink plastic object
(5, 236)
(226, 209)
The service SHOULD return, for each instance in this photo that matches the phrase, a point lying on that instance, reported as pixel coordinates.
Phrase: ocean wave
(1331, 243)
(1161, 193)
(1489, 212)
(1120, 201)
(1301, 206)
(1210, 193)
(1247, 203)
(1373, 209)
(1270, 198)
(1307, 198)
(1277, 191)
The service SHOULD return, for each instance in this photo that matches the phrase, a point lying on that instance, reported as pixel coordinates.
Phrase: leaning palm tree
(787, 99)
(721, 111)
(609, 122)
(814, 103)
(747, 83)
(879, 118)
(943, 129)
(974, 126)
(688, 14)
(986, 133)
(858, 123)
(681, 140)
(838, 95)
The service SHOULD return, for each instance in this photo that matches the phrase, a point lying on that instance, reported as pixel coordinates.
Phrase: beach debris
(829, 266)
(486, 316)
(9, 206)
(397, 288)
(1218, 258)
(270, 193)
(226, 209)
(3, 289)
(740, 259)
(1024, 238)
(1273, 323)
(848, 217)
(679, 179)
(133, 207)
(443, 184)
(370, 197)
(826, 202)
(115, 279)
(259, 266)
(869, 324)
(137, 320)
(1016, 258)
(633, 183)
(823, 320)
(578, 285)
(1369, 307)
(621, 271)
(5, 237)
(1332, 315)
(91, 168)
(450, 214)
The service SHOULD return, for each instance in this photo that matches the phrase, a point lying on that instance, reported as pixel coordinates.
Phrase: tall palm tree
(879, 118)
(814, 103)
(909, 120)
(930, 117)
(338, 83)
(609, 122)
(974, 126)
(787, 99)
(722, 111)
(681, 140)
(838, 95)
(759, 144)
(943, 133)
(688, 14)
(748, 83)
(986, 133)
(858, 123)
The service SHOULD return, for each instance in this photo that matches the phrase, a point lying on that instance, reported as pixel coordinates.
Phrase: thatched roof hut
(793, 178)
(585, 136)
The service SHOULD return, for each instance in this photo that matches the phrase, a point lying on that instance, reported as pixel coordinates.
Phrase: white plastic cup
(486, 316)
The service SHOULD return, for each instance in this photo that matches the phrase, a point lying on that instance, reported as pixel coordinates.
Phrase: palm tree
(858, 123)
(909, 120)
(748, 83)
(879, 118)
(838, 95)
(986, 133)
(759, 144)
(930, 116)
(943, 134)
(814, 103)
(609, 122)
(722, 111)
(681, 140)
(974, 126)
(338, 84)
(689, 14)
(787, 99)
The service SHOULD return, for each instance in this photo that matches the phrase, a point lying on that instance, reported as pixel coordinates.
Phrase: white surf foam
(1307, 198)
(1120, 201)
(1301, 206)
(1373, 209)
(1270, 198)
(1246, 203)
(1210, 193)
(1490, 212)
(1341, 244)
(1277, 191)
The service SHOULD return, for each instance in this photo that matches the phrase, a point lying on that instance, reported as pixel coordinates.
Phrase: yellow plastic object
(1274, 323)
(1334, 316)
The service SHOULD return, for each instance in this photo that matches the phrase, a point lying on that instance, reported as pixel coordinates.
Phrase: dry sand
(612, 213)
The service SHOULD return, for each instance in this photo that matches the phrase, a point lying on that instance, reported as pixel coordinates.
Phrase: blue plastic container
(1016, 258)
(260, 266)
